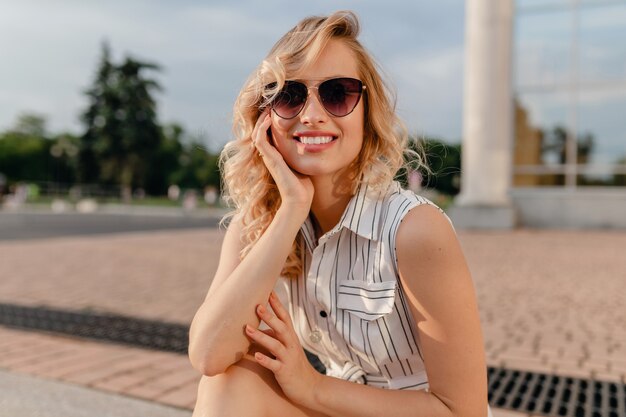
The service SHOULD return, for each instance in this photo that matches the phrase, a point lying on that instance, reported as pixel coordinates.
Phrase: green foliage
(24, 157)
(443, 163)
(198, 168)
(30, 124)
(444, 160)
(122, 136)
(29, 153)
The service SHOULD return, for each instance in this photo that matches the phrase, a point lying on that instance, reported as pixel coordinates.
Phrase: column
(487, 151)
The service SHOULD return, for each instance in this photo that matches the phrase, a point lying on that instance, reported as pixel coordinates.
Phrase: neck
(329, 202)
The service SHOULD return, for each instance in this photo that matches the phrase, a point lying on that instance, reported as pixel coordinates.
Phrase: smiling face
(336, 60)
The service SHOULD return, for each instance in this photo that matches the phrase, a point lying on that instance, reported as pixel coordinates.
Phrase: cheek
(280, 133)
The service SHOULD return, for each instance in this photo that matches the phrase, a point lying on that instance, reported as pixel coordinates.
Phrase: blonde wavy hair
(248, 186)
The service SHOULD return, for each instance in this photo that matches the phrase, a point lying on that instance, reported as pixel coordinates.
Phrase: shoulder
(431, 263)
(427, 249)
(424, 226)
(408, 212)
(396, 195)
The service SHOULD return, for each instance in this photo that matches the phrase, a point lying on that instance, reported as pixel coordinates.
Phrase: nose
(313, 111)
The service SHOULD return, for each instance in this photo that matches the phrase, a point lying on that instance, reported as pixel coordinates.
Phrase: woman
(330, 254)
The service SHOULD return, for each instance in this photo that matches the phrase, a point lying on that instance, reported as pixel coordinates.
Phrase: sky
(50, 50)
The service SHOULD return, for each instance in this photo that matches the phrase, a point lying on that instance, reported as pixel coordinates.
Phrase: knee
(239, 391)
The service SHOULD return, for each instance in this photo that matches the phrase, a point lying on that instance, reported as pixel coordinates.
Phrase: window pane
(540, 139)
(602, 43)
(535, 180)
(522, 5)
(542, 48)
(610, 180)
(541, 128)
(602, 127)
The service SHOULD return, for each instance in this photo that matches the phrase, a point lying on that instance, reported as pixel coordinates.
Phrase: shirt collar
(362, 216)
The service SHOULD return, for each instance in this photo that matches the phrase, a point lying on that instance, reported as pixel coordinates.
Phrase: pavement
(59, 399)
(550, 301)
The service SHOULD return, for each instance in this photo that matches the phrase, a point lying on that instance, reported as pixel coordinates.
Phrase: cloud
(432, 91)
(206, 50)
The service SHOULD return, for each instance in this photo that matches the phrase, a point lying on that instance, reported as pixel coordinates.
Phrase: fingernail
(261, 309)
(249, 328)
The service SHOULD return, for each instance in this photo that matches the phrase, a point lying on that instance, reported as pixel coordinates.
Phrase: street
(34, 225)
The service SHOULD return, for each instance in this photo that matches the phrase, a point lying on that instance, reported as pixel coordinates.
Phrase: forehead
(336, 59)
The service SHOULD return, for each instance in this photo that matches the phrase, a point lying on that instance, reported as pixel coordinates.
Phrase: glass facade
(570, 93)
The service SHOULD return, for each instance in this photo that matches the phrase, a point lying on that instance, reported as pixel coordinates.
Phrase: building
(544, 133)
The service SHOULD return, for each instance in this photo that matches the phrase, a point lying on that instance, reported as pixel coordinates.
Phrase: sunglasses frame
(316, 87)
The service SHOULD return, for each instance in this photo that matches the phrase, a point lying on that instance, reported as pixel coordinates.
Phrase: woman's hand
(290, 366)
(296, 190)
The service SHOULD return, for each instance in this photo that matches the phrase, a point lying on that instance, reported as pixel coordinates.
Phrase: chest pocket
(367, 300)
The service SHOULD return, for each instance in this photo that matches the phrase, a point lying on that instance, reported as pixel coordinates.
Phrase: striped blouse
(351, 310)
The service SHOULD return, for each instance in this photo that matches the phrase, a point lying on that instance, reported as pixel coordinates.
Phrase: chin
(311, 172)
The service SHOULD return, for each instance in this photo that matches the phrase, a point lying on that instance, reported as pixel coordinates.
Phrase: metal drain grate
(553, 395)
(132, 331)
(114, 328)
(531, 392)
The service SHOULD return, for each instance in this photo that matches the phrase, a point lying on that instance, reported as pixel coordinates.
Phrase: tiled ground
(550, 301)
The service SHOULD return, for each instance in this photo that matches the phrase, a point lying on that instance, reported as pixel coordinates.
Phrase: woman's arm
(216, 337)
(440, 291)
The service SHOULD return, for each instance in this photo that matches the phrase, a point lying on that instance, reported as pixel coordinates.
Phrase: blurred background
(96, 96)
(112, 118)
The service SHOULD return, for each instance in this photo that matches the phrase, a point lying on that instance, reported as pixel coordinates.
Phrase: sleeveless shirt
(348, 306)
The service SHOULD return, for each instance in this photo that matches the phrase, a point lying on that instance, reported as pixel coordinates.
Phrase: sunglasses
(339, 96)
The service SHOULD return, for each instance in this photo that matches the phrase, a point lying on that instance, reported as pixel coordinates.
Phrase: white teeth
(310, 140)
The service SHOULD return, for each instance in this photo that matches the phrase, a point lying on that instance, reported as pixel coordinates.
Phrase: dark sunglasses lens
(340, 95)
(290, 99)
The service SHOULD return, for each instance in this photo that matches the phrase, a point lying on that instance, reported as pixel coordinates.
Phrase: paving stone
(54, 399)
(539, 309)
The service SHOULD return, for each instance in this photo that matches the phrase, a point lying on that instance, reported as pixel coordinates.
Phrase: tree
(444, 162)
(29, 153)
(555, 141)
(122, 135)
(24, 157)
(619, 178)
(25, 150)
(197, 167)
(94, 119)
(167, 159)
(30, 124)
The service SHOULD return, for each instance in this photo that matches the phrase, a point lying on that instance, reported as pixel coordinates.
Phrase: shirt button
(315, 336)
(323, 313)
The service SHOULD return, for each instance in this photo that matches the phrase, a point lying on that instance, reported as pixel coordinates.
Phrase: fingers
(259, 133)
(279, 326)
(271, 364)
(279, 309)
(269, 332)
(272, 159)
(265, 340)
(260, 129)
